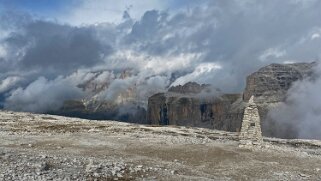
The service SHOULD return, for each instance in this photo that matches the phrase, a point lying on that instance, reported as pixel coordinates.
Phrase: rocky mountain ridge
(191, 104)
(268, 85)
(123, 106)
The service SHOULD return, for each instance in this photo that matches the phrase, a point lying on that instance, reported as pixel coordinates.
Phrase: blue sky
(91, 11)
(37, 7)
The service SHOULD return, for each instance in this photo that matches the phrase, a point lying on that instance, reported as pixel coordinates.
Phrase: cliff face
(123, 107)
(270, 83)
(184, 105)
(193, 104)
(181, 105)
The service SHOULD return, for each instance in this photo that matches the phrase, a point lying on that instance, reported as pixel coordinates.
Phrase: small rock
(95, 174)
(304, 175)
(89, 165)
(119, 175)
(43, 166)
(117, 168)
(173, 172)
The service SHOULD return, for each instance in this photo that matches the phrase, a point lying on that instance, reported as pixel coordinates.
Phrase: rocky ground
(46, 147)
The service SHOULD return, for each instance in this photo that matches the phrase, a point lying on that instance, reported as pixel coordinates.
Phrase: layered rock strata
(269, 85)
(184, 105)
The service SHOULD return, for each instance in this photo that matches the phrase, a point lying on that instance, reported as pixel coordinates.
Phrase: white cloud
(8, 83)
(289, 61)
(315, 36)
(203, 71)
(154, 64)
(101, 11)
(271, 53)
(301, 111)
(171, 63)
(42, 95)
(3, 51)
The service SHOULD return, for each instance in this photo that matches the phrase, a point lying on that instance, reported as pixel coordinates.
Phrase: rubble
(63, 149)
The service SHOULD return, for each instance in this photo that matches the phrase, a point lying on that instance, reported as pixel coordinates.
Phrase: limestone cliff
(192, 104)
(183, 105)
(270, 83)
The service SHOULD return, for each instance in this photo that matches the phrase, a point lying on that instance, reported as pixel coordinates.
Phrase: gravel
(60, 148)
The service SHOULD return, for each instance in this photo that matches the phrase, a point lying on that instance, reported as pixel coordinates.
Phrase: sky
(79, 12)
(50, 47)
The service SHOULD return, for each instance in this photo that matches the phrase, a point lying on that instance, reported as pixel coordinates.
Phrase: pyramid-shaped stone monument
(251, 125)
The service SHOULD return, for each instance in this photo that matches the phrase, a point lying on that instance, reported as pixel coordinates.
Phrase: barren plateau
(46, 147)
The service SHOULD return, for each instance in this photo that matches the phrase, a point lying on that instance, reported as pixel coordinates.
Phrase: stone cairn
(251, 133)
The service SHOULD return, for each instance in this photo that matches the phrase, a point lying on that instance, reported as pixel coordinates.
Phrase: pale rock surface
(251, 125)
(76, 149)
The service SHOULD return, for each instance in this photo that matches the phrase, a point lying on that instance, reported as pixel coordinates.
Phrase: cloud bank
(163, 43)
(300, 115)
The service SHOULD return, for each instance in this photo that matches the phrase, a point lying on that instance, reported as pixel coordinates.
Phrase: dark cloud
(213, 42)
(233, 34)
(58, 48)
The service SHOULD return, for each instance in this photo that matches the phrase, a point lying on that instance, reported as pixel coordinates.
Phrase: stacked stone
(251, 129)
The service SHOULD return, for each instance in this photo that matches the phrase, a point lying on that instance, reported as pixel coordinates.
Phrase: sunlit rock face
(182, 105)
(185, 105)
(189, 88)
(269, 85)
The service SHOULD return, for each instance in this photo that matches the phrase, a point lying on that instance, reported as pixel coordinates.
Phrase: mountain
(123, 106)
(181, 105)
(270, 83)
(191, 104)
(196, 105)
